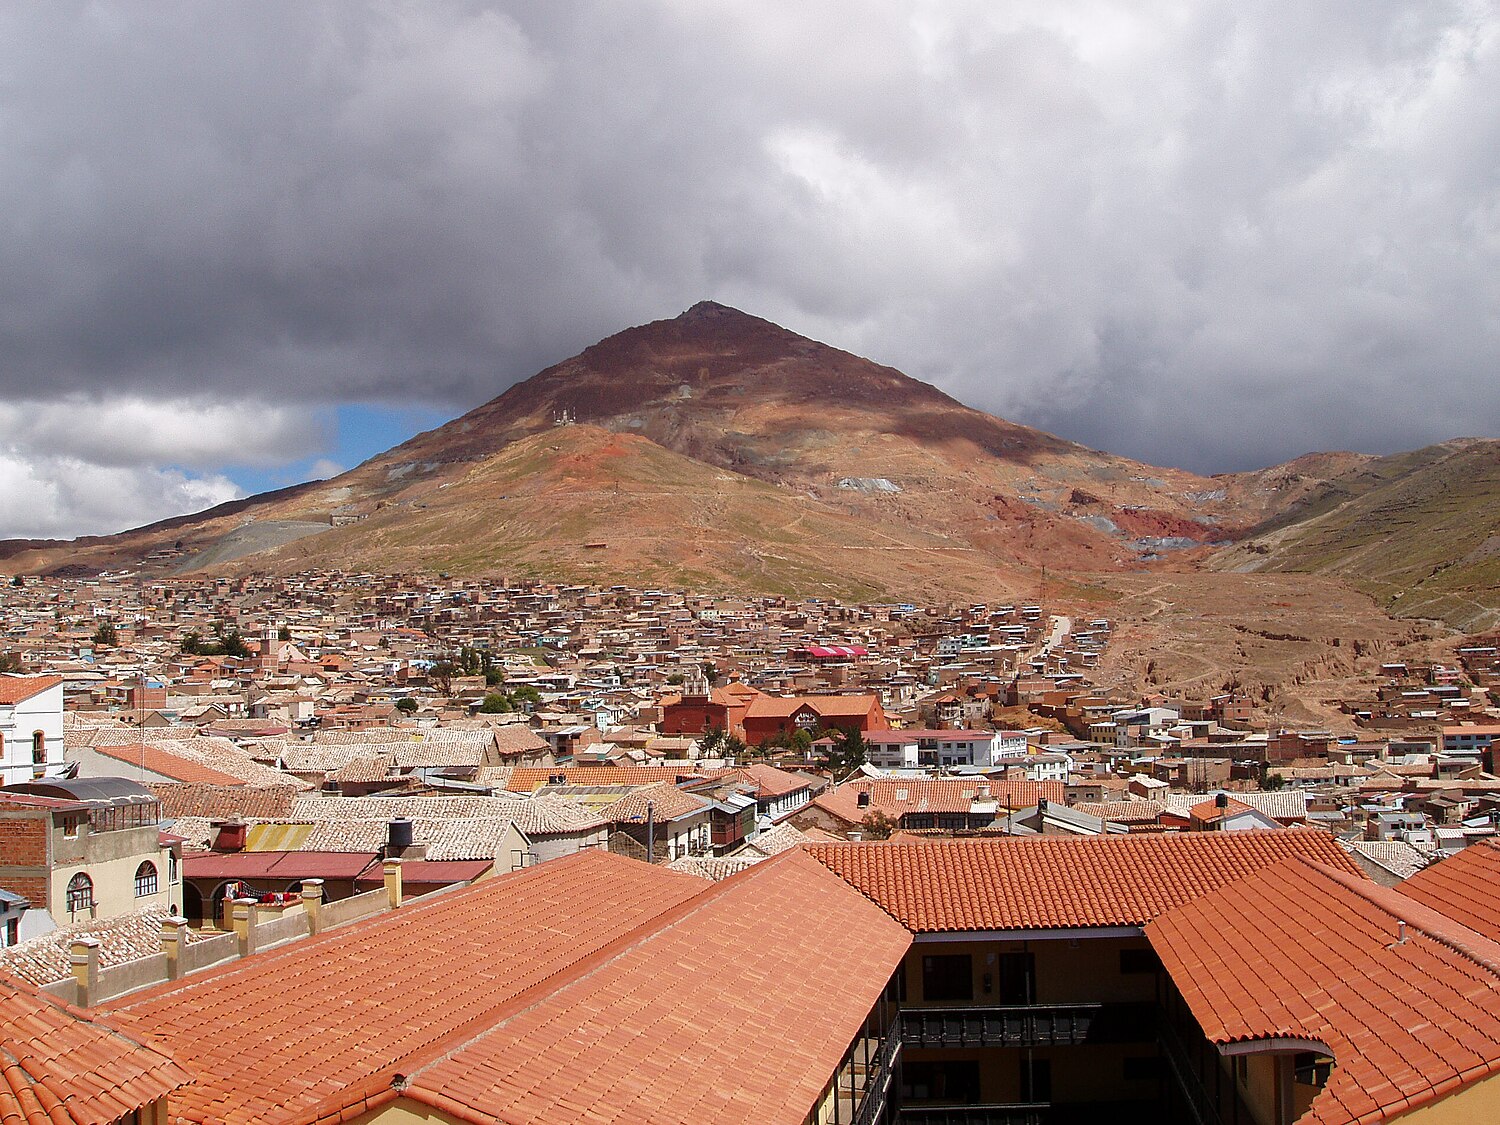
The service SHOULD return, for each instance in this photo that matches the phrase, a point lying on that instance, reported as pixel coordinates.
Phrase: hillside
(894, 469)
(717, 450)
(1419, 532)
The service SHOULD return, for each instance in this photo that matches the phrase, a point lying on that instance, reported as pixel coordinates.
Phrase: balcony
(1028, 1025)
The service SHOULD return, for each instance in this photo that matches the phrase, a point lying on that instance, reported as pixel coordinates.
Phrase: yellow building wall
(1474, 1103)
(1082, 971)
(405, 1111)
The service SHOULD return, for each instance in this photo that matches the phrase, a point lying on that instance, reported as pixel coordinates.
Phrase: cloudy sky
(242, 245)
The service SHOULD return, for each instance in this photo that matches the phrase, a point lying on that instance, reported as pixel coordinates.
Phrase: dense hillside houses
(1001, 856)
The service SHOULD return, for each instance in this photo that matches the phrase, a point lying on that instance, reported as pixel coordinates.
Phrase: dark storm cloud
(1213, 234)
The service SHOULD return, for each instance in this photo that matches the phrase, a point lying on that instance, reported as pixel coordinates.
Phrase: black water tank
(398, 834)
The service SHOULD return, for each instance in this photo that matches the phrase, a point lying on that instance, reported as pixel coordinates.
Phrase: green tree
(192, 643)
(877, 825)
(441, 675)
(496, 704)
(493, 677)
(106, 636)
(284, 633)
(526, 694)
(848, 752)
(406, 705)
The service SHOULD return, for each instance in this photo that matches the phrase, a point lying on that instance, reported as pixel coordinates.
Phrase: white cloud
(131, 430)
(61, 497)
(96, 466)
(1216, 233)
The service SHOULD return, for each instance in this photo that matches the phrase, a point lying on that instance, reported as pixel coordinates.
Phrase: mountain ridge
(852, 453)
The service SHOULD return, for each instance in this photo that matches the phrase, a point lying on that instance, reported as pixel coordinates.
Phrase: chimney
(229, 835)
(244, 926)
(173, 939)
(982, 791)
(863, 799)
(392, 873)
(1221, 801)
(312, 903)
(83, 957)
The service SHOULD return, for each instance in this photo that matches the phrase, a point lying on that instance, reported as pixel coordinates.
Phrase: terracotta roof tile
(60, 1066)
(1050, 882)
(164, 762)
(709, 1040)
(14, 689)
(1406, 999)
(1465, 886)
(429, 977)
(221, 802)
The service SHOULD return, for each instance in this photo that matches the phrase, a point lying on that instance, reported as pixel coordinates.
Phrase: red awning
(834, 651)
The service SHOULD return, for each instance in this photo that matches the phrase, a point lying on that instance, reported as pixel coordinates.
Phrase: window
(38, 754)
(948, 977)
(72, 824)
(12, 931)
(145, 879)
(955, 1082)
(80, 893)
(1018, 978)
(1036, 1080)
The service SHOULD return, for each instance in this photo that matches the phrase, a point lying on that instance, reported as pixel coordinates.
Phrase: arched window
(80, 893)
(145, 879)
(38, 754)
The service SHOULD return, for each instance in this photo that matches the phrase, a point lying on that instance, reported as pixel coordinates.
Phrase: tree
(17, 580)
(526, 694)
(848, 752)
(1273, 781)
(284, 633)
(496, 704)
(493, 677)
(877, 825)
(106, 636)
(192, 644)
(710, 672)
(10, 662)
(441, 675)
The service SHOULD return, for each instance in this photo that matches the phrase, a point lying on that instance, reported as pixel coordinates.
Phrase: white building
(31, 727)
(943, 749)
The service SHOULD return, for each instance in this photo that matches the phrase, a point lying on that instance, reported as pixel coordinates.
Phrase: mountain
(1418, 531)
(717, 450)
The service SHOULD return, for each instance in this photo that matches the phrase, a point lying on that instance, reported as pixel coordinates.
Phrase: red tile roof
(1466, 887)
(15, 689)
(57, 1066)
(666, 800)
(167, 764)
(1298, 950)
(750, 1022)
(322, 1025)
(288, 866)
(1055, 882)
